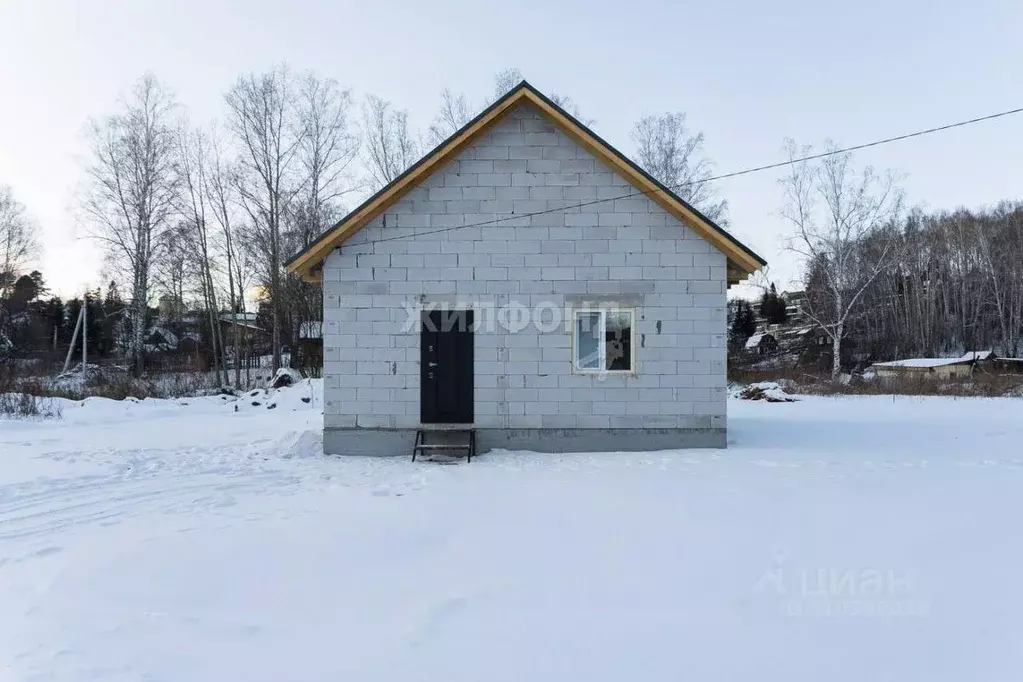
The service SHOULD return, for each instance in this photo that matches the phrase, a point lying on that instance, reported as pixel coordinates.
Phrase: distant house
(1007, 365)
(794, 303)
(170, 307)
(800, 337)
(310, 345)
(243, 324)
(760, 343)
(161, 340)
(932, 368)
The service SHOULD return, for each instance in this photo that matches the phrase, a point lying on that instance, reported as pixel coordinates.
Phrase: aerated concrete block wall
(627, 251)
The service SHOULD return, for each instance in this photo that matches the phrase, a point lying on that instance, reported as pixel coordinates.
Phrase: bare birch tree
(456, 109)
(455, 112)
(674, 154)
(389, 146)
(172, 271)
(834, 213)
(194, 154)
(261, 109)
(328, 149)
(1000, 243)
(505, 80)
(570, 107)
(220, 189)
(18, 243)
(132, 185)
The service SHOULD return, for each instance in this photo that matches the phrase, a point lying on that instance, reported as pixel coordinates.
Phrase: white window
(602, 340)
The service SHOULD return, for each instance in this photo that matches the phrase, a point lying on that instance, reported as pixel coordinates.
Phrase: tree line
(901, 283)
(954, 283)
(37, 324)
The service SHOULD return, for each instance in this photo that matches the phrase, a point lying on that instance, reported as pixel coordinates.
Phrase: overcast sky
(748, 74)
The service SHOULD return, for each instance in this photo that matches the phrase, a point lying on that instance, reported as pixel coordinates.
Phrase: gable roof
(742, 261)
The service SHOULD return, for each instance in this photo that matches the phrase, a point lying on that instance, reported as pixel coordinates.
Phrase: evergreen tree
(40, 284)
(52, 313)
(264, 315)
(26, 289)
(773, 307)
(112, 302)
(98, 344)
(113, 310)
(744, 322)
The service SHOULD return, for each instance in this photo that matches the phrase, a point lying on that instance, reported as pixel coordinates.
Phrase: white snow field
(836, 539)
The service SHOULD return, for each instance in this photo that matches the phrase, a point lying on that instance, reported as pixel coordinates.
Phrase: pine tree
(113, 312)
(98, 344)
(781, 311)
(772, 307)
(52, 312)
(73, 309)
(744, 322)
(40, 284)
(25, 290)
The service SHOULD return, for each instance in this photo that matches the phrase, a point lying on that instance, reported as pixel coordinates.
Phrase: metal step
(445, 431)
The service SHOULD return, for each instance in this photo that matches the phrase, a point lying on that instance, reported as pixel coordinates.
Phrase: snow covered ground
(864, 538)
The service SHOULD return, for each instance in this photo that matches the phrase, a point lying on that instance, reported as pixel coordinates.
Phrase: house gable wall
(627, 251)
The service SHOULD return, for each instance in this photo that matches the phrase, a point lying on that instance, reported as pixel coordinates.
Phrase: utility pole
(74, 338)
(85, 329)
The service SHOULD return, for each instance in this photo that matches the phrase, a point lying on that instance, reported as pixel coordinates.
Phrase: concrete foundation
(399, 442)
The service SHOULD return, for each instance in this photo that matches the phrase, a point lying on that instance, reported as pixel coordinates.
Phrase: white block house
(527, 281)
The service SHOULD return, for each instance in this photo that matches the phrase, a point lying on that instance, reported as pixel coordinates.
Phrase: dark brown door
(446, 357)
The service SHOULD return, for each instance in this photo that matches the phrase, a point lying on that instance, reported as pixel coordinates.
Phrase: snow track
(79, 503)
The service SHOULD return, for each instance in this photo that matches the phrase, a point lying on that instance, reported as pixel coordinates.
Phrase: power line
(747, 171)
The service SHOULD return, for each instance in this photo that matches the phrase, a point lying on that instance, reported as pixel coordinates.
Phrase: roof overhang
(742, 261)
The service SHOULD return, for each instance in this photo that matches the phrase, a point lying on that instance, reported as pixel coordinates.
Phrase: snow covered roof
(168, 337)
(246, 320)
(226, 316)
(754, 341)
(971, 356)
(923, 362)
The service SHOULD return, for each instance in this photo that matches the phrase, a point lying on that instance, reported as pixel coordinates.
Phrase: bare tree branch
(389, 147)
(18, 243)
(669, 151)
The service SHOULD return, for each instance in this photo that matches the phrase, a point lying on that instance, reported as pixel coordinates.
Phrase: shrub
(26, 406)
(981, 384)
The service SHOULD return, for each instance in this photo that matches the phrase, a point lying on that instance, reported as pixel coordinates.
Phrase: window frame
(603, 311)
